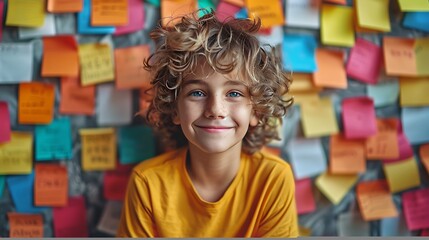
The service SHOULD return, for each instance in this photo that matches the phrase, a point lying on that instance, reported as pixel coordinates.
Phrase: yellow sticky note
(414, 92)
(16, 156)
(25, 13)
(337, 26)
(269, 11)
(96, 63)
(402, 175)
(318, 118)
(303, 82)
(335, 187)
(373, 14)
(421, 49)
(414, 5)
(98, 149)
(305, 97)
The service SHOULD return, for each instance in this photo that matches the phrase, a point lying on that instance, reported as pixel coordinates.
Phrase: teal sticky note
(416, 20)
(298, 53)
(54, 141)
(207, 5)
(415, 124)
(242, 13)
(156, 3)
(384, 93)
(84, 22)
(2, 181)
(136, 143)
(21, 189)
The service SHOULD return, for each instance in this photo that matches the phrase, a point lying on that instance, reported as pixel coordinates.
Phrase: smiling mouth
(214, 129)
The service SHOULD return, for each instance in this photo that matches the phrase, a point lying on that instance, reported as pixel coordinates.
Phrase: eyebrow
(197, 82)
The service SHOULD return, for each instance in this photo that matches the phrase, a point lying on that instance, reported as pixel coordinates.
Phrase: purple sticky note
(71, 221)
(364, 61)
(359, 120)
(4, 123)
(135, 18)
(416, 211)
(226, 10)
(1, 19)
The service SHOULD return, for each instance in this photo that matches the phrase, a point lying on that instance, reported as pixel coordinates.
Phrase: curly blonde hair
(226, 46)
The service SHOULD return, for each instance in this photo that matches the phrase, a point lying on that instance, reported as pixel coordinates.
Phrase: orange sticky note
(269, 11)
(76, 99)
(331, 72)
(25, 225)
(399, 56)
(424, 155)
(343, 2)
(129, 67)
(51, 185)
(172, 10)
(108, 13)
(375, 200)
(36, 103)
(60, 57)
(64, 6)
(239, 3)
(384, 144)
(346, 156)
(303, 82)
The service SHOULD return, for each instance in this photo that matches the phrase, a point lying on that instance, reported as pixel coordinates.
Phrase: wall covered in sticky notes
(357, 137)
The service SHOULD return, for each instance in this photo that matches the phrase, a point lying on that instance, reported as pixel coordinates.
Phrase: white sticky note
(301, 13)
(384, 93)
(47, 29)
(109, 221)
(16, 62)
(352, 224)
(415, 124)
(113, 106)
(275, 38)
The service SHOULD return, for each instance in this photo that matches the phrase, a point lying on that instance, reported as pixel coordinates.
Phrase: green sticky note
(136, 143)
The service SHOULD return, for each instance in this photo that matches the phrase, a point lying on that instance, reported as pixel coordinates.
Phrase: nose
(215, 108)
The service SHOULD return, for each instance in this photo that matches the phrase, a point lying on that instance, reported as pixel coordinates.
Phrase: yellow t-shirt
(162, 202)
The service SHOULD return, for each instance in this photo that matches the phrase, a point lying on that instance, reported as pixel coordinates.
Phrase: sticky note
(375, 201)
(421, 49)
(304, 196)
(225, 11)
(302, 13)
(402, 175)
(416, 20)
(415, 208)
(424, 155)
(352, 224)
(36, 103)
(54, 141)
(84, 22)
(335, 187)
(298, 53)
(96, 63)
(114, 106)
(98, 148)
(105, 13)
(358, 116)
(405, 149)
(309, 97)
(373, 14)
(113, 184)
(399, 56)
(331, 72)
(346, 156)
(26, 13)
(110, 218)
(60, 57)
(413, 5)
(155, 3)
(25, 225)
(384, 144)
(47, 29)
(5, 128)
(303, 82)
(364, 61)
(129, 69)
(415, 125)
(413, 91)
(205, 5)
(21, 189)
(76, 99)
(2, 183)
(273, 39)
(136, 143)
(172, 10)
(51, 185)
(318, 118)
(307, 157)
(1, 17)
(70, 221)
(269, 11)
(64, 6)
(16, 62)
(384, 93)
(394, 226)
(135, 19)
(16, 156)
(337, 26)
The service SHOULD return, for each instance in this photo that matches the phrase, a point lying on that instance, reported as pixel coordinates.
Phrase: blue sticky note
(84, 22)
(299, 53)
(242, 13)
(54, 141)
(136, 143)
(206, 5)
(156, 3)
(394, 226)
(384, 93)
(416, 20)
(415, 124)
(21, 189)
(2, 181)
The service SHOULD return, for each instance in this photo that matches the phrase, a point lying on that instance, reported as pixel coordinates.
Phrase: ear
(176, 118)
(253, 120)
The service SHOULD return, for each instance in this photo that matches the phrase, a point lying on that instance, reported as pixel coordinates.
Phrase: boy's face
(214, 112)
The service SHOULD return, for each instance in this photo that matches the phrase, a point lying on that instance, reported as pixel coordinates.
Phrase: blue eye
(234, 94)
(197, 94)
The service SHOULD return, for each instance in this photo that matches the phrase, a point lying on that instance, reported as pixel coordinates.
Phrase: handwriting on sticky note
(415, 205)
(129, 67)
(36, 103)
(399, 56)
(105, 13)
(96, 63)
(76, 99)
(16, 156)
(98, 148)
(5, 128)
(51, 185)
(25, 225)
(63, 6)
(375, 200)
(346, 156)
(384, 144)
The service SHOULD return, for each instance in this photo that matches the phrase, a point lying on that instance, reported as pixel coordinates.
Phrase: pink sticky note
(425, 232)
(135, 18)
(304, 196)
(359, 120)
(226, 10)
(405, 149)
(364, 61)
(70, 221)
(115, 183)
(416, 211)
(1, 18)
(4, 122)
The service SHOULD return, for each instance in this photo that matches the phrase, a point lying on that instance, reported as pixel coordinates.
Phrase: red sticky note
(70, 221)
(1, 17)
(416, 211)
(4, 122)
(115, 182)
(304, 196)
(225, 11)
(405, 149)
(359, 120)
(425, 232)
(364, 61)
(135, 18)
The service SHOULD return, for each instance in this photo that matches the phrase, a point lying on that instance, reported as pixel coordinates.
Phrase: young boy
(222, 96)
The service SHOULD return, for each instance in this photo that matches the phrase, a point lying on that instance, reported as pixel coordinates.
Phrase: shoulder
(266, 161)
